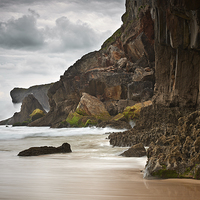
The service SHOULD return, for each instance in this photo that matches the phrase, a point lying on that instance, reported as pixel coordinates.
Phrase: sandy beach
(93, 171)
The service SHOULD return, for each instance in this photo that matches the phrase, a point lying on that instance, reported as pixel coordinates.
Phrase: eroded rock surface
(177, 154)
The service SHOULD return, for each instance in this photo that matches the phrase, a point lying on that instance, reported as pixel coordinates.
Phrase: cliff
(38, 91)
(177, 52)
(123, 69)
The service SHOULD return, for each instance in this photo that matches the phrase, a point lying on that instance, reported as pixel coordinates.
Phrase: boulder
(137, 150)
(89, 112)
(91, 106)
(36, 151)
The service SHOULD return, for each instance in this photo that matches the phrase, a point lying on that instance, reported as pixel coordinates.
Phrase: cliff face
(123, 69)
(38, 91)
(177, 52)
(170, 127)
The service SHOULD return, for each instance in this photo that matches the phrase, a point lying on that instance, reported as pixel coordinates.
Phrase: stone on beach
(137, 150)
(36, 151)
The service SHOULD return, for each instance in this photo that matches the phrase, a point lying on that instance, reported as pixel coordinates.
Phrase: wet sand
(53, 178)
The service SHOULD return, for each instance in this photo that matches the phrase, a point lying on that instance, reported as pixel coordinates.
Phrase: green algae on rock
(36, 114)
(88, 112)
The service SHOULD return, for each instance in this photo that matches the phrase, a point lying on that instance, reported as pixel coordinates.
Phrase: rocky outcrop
(36, 151)
(137, 150)
(177, 154)
(126, 57)
(38, 91)
(29, 104)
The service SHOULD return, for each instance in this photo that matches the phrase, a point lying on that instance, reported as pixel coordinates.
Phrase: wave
(13, 133)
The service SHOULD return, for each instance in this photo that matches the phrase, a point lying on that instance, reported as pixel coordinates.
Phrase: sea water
(86, 173)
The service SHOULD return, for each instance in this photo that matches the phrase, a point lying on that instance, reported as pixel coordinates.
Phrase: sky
(40, 39)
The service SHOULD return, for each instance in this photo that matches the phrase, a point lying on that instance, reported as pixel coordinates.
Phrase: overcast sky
(40, 39)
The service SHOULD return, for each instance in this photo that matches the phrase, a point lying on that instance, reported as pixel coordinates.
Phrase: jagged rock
(29, 104)
(137, 150)
(38, 91)
(36, 151)
(106, 73)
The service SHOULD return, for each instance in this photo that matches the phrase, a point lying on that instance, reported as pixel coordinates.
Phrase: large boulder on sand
(91, 106)
(36, 151)
(89, 111)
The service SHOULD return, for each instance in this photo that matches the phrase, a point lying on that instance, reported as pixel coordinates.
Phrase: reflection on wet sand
(93, 180)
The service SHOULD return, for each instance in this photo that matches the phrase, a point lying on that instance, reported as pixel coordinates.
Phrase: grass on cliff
(112, 39)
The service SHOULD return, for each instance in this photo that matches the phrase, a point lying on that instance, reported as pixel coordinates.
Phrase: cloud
(34, 13)
(69, 36)
(21, 33)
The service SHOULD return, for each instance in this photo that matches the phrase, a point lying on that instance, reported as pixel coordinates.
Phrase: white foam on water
(20, 132)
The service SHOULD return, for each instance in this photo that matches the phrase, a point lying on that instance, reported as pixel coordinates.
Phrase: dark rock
(137, 150)
(140, 90)
(36, 151)
(122, 104)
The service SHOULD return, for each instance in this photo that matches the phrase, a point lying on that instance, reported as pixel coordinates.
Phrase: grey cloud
(75, 35)
(21, 33)
(34, 13)
(70, 36)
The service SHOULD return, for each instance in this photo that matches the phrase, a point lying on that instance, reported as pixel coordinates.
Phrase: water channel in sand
(93, 171)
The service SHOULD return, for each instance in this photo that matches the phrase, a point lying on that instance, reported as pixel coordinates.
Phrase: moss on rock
(36, 114)
(164, 173)
(118, 117)
(133, 112)
(77, 120)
